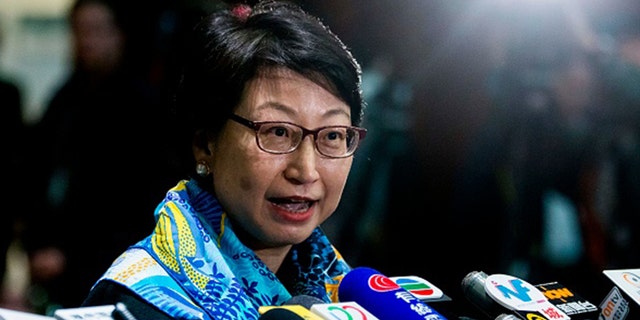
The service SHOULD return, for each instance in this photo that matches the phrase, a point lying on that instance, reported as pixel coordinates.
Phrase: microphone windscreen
(121, 312)
(280, 314)
(383, 297)
(473, 289)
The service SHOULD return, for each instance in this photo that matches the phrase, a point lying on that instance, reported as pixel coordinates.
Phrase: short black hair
(227, 49)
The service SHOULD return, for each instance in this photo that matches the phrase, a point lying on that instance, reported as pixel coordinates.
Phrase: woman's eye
(334, 135)
(280, 131)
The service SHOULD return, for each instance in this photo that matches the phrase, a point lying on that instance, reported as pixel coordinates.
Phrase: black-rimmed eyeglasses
(280, 137)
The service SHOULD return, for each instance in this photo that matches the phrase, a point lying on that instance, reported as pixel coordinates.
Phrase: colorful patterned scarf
(194, 267)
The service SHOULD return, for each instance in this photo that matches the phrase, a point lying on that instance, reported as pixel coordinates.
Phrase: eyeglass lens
(284, 137)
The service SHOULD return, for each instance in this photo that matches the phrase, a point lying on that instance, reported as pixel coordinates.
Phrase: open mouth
(292, 205)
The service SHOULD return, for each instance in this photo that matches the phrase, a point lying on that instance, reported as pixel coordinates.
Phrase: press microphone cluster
(365, 294)
(503, 297)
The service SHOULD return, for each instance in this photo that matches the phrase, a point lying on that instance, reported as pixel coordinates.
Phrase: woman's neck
(273, 257)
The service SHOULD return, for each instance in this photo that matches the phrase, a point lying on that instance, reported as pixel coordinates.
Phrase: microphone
(19, 315)
(118, 311)
(510, 293)
(568, 301)
(623, 299)
(104, 312)
(280, 314)
(298, 310)
(383, 297)
(304, 300)
(349, 310)
(473, 290)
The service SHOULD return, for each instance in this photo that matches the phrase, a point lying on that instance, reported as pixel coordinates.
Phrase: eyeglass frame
(255, 126)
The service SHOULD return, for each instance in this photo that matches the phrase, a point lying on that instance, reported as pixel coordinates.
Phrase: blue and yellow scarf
(194, 267)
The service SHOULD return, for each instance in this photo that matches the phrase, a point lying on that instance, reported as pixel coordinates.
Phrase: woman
(273, 100)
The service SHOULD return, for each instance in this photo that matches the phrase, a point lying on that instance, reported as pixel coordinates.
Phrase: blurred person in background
(13, 131)
(621, 73)
(93, 140)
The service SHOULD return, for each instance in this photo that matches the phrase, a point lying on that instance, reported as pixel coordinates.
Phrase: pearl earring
(202, 169)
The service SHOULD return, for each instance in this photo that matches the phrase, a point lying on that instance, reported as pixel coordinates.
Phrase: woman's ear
(200, 145)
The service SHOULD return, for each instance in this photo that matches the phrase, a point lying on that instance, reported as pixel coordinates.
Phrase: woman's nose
(303, 161)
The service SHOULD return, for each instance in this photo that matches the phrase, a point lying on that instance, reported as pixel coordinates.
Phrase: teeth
(295, 206)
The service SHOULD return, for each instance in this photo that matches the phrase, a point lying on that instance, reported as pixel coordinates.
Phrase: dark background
(422, 198)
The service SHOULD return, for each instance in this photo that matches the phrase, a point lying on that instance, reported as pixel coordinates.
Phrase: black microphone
(122, 313)
(306, 301)
(383, 297)
(473, 290)
(280, 314)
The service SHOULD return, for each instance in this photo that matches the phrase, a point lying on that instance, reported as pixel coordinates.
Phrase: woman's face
(278, 199)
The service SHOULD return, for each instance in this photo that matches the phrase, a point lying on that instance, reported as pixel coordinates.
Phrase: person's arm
(110, 293)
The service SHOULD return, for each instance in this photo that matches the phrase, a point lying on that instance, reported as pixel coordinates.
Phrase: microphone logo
(522, 297)
(511, 291)
(631, 278)
(419, 287)
(349, 312)
(380, 283)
